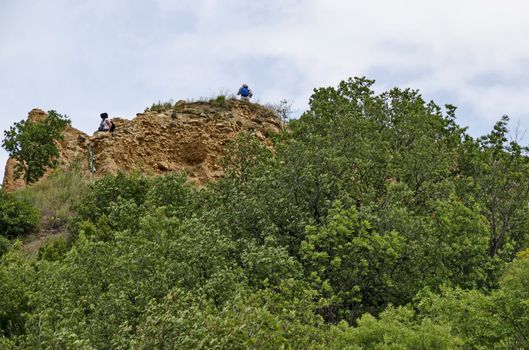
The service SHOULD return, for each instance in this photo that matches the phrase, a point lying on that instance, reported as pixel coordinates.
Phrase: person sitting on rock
(106, 124)
(245, 92)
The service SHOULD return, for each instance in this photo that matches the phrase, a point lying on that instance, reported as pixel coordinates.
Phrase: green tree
(512, 303)
(352, 265)
(497, 320)
(397, 328)
(499, 180)
(32, 144)
(16, 276)
(118, 198)
(262, 320)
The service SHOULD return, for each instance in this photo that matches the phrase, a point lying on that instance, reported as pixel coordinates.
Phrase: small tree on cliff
(32, 144)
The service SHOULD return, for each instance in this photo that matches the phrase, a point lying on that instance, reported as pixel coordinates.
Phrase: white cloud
(82, 58)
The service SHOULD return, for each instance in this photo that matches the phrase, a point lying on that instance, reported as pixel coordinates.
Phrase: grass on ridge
(55, 197)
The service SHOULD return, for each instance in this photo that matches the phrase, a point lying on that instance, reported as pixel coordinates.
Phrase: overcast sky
(82, 58)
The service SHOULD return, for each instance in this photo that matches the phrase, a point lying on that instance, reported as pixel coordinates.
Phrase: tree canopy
(375, 223)
(32, 144)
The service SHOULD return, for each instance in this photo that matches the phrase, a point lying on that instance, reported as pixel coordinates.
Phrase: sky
(82, 58)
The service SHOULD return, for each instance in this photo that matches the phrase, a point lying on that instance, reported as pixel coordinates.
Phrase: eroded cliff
(191, 137)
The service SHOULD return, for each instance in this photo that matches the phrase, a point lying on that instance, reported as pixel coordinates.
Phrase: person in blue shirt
(245, 92)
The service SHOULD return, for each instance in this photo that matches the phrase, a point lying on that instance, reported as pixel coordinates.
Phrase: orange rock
(182, 139)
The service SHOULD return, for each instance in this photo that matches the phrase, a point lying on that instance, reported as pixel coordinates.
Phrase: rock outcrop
(191, 137)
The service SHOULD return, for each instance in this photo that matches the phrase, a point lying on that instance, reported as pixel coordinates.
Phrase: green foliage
(16, 276)
(17, 217)
(119, 202)
(485, 321)
(118, 198)
(171, 193)
(276, 319)
(397, 329)
(160, 106)
(268, 264)
(5, 245)
(54, 249)
(352, 265)
(374, 223)
(499, 180)
(116, 279)
(469, 313)
(247, 321)
(235, 204)
(219, 101)
(512, 303)
(32, 144)
(460, 237)
(56, 197)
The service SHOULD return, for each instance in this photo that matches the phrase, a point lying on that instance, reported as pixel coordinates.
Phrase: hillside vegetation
(376, 222)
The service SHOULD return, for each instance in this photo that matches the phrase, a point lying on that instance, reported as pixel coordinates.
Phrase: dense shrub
(17, 217)
(54, 249)
(171, 193)
(5, 245)
(116, 197)
(16, 279)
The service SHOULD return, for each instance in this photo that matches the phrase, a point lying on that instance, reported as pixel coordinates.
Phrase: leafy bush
(397, 328)
(17, 217)
(246, 321)
(5, 245)
(484, 321)
(98, 279)
(160, 106)
(113, 196)
(219, 101)
(171, 193)
(267, 264)
(16, 279)
(54, 249)
(352, 265)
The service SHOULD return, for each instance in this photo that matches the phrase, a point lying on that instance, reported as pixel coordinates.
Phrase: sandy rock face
(10, 184)
(37, 115)
(191, 137)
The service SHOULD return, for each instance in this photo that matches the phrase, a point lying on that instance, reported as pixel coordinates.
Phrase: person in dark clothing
(106, 124)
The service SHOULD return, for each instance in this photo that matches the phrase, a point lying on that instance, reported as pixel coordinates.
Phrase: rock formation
(191, 137)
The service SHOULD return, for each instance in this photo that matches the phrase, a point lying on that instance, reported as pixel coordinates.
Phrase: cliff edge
(190, 137)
